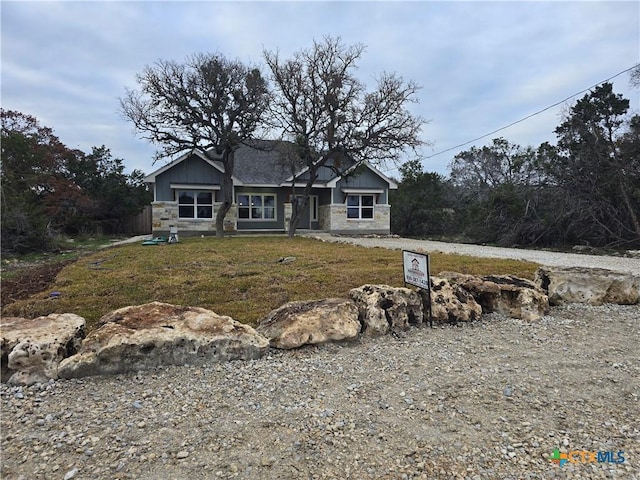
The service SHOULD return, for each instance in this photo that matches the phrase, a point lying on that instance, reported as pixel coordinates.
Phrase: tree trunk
(299, 206)
(226, 190)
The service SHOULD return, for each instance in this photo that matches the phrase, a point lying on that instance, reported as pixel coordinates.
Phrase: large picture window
(360, 207)
(195, 204)
(256, 207)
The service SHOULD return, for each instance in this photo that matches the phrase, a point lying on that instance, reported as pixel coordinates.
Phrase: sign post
(417, 272)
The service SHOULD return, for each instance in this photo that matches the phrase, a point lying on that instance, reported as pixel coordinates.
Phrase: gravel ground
(553, 259)
(487, 400)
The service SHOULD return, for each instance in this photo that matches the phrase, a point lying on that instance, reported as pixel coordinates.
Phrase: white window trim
(362, 191)
(360, 206)
(191, 186)
(258, 194)
(195, 205)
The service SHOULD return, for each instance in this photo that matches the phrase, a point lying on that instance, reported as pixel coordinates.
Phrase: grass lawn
(236, 276)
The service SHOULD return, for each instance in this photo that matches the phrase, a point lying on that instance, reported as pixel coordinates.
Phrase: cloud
(482, 65)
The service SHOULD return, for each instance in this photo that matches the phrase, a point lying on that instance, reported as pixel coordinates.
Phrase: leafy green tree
(420, 206)
(115, 195)
(598, 162)
(32, 159)
(49, 189)
(208, 103)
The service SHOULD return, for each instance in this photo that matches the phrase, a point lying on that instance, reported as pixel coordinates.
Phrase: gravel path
(487, 400)
(490, 400)
(554, 259)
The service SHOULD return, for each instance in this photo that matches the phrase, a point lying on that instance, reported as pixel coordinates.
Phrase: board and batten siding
(192, 171)
(365, 180)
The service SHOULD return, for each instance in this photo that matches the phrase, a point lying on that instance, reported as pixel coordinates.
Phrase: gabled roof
(151, 178)
(260, 163)
(392, 184)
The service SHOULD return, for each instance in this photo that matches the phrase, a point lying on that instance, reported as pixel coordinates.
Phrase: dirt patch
(30, 280)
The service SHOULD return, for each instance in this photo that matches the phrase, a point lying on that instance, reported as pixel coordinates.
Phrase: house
(186, 194)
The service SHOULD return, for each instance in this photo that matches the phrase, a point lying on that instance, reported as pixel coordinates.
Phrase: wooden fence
(140, 224)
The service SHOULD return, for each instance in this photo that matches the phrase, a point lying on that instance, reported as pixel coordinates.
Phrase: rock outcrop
(507, 294)
(450, 303)
(299, 323)
(154, 334)
(382, 308)
(32, 349)
(594, 286)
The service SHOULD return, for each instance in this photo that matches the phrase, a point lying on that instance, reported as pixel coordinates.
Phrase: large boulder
(145, 336)
(450, 303)
(594, 286)
(298, 323)
(382, 308)
(507, 294)
(32, 349)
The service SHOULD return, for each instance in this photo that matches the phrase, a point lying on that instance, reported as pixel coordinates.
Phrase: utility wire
(529, 116)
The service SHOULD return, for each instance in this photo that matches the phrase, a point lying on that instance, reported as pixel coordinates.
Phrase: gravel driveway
(555, 259)
(488, 400)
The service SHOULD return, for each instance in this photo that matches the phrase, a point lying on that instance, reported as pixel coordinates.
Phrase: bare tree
(208, 103)
(323, 109)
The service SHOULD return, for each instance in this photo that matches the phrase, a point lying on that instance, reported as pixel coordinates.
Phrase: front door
(309, 211)
(305, 217)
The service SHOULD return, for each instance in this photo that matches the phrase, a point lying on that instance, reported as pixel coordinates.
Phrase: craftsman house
(186, 194)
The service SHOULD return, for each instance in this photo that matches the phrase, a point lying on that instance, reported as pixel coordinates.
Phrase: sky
(481, 65)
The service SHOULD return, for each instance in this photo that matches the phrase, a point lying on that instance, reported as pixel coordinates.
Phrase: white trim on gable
(392, 185)
(363, 190)
(193, 186)
(151, 178)
(302, 184)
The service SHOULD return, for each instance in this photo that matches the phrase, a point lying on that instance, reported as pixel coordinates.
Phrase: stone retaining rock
(299, 323)
(506, 294)
(32, 349)
(593, 286)
(450, 303)
(146, 336)
(382, 308)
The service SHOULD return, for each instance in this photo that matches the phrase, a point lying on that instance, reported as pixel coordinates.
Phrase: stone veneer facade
(165, 215)
(333, 219)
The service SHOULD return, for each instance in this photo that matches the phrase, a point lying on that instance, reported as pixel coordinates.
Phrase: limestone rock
(594, 286)
(506, 294)
(32, 349)
(154, 334)
(298, 323)
(382, 307)
(450, 303)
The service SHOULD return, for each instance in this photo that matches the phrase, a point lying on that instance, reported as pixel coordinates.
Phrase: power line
(529, 116)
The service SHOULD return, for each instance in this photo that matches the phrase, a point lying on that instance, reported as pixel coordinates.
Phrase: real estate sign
(416, 269)
(417, 272)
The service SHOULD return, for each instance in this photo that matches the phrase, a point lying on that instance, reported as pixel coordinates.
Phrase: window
(360, 207)
(313, 199)
(256, 207)
(195, 204)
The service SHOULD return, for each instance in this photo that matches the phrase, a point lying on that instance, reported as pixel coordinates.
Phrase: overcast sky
(482, 65)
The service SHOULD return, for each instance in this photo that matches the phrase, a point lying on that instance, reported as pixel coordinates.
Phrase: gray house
(186, 194)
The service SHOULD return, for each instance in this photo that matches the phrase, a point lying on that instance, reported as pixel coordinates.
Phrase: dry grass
(236, 276)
